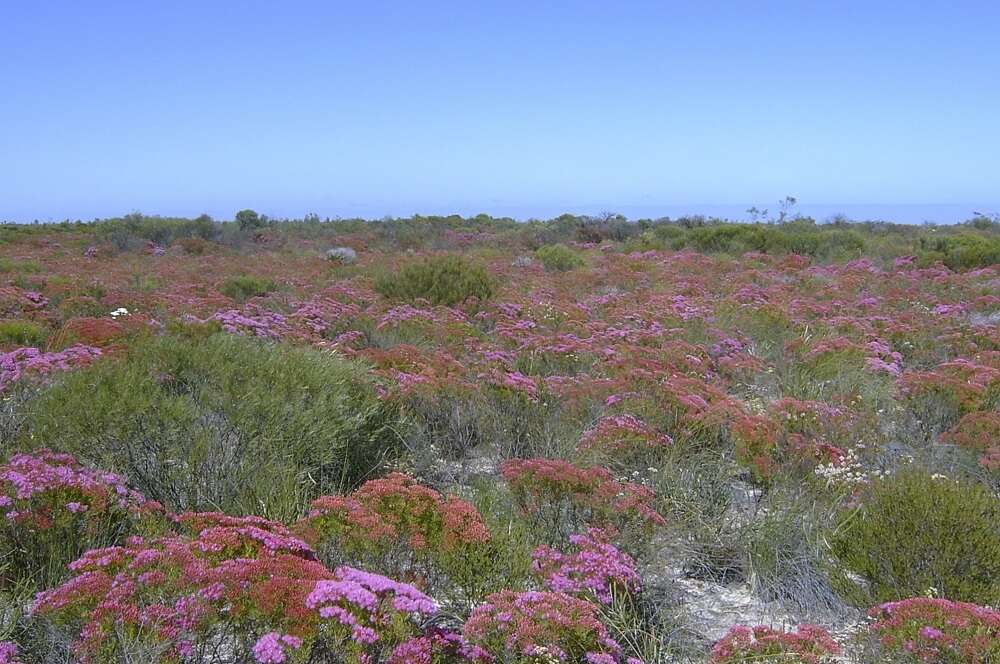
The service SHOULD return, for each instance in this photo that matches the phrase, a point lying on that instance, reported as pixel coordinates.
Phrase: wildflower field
(439, 440)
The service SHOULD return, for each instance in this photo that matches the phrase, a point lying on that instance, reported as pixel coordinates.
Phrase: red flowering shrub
(54, 508)
(977, 431)
(534, 625)
(624, 440)
(557, 496)
(808, 644)
(923, 629)
(176, 597)
(794, 434)
(396, 525)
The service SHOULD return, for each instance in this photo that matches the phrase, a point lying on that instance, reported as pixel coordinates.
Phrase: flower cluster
(26, 361)
(808, 644)
(394, 510)
(623, 435)
(535, 624)
(596, 567)
(538, 483)
(924, 629)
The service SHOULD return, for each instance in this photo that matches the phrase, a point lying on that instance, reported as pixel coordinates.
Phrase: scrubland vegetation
(439, 440)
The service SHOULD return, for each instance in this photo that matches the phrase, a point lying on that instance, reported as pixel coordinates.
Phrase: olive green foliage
(20, 267)
(914, 533)
(244, 287)
(248, 220)
(965, 251)
(23, 333)
(129, 231)
(558, 258)
(220, 422)
(442, 280)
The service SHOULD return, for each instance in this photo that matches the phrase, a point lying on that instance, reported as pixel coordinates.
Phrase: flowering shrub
(624, 439)
(536, 625)
(177, 596)
(396, 525)
(596, 567)
(437, 646)
(366, 614)
(808, 644)
(977, 432)
(923, 629)
(559, 494)
(54, 508)
(24, 361)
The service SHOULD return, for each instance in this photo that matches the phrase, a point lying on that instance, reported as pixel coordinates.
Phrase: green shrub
(558, 258)
(22, 333)
(244, 287)
(915, 532)
(220, 423)
(23, 267)
(960, 252)
(442, 280)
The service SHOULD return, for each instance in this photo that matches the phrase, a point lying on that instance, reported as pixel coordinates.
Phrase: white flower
(120, 311)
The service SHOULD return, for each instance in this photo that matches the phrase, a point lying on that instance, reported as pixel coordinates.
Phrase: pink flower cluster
(362, 601)
(35, 487)
(924, 629)
(596, 567)
(536, 624)
(26, 361)
(808, 644)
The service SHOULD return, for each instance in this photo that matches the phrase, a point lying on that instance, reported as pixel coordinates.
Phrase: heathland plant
(447, 280)
(221, 423)
(916, 533)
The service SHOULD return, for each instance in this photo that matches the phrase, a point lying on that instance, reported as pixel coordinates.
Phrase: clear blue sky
(392, 108)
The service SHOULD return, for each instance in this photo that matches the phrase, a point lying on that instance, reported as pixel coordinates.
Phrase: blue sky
(520, 108)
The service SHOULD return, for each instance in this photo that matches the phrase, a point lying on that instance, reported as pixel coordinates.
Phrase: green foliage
(446, 280)
(129, 231)
(244, 287)
(21, 267)
(961, 252)
(23, 333)
(248, 220)
(915, 532)
(558, 258)
(220, 423)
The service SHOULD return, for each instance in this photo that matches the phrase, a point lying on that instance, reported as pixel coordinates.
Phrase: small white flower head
(120, 311)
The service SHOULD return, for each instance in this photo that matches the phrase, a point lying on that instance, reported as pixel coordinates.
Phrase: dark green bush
(558, 258)
(442, 280)
(915, 532)
(221, 422)
(244, 287)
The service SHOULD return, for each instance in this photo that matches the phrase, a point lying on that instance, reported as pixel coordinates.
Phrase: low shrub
(243, 288)
(221, 422)
(541, 626)
(924, 629)
(447, 280)
(558, 258)
(595, 568)
(914, 532)
(54, 509)
(22, 333)
(556, 495)
(808, 644)
(396, 526)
